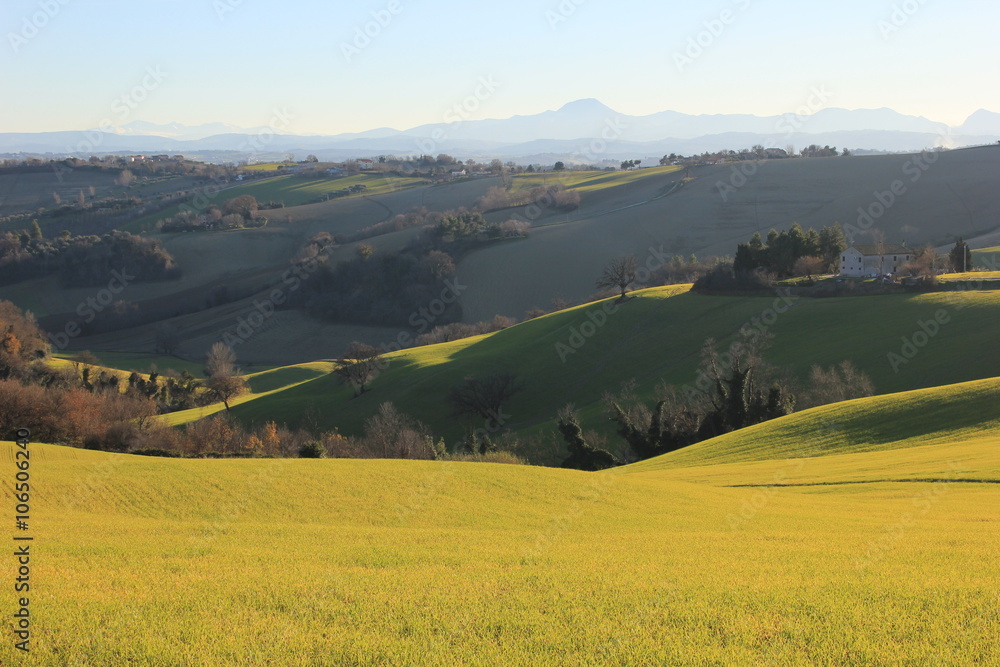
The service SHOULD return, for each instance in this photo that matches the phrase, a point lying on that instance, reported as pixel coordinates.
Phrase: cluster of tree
(237, 213)
(83, 260)
(735, 390)
(376, 288)
(86, 406)
(629, 165)
(21, 341)
(555, 197)
(395, 288)
(466, 227)
(812, 150)
(723, 280)
(795, 252)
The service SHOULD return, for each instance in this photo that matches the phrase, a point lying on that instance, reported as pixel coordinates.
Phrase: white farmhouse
(871, 260)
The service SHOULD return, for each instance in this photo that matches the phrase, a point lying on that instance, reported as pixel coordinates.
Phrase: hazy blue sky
(237, 61)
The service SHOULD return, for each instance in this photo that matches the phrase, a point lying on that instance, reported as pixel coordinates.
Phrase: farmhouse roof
(887, 249)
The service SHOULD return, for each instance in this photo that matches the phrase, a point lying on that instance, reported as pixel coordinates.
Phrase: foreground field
(304, 562)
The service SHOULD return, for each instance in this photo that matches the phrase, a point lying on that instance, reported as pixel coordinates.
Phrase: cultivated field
(654, 213)
(859, 558)
(953, 195)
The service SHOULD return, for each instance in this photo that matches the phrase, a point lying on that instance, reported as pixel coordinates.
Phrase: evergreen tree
(961, 256)
(581, 455)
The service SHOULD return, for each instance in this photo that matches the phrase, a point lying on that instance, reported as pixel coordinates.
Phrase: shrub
(312, 450)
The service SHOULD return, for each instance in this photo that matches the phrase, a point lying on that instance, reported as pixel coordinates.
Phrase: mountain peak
(982, 122)
(588, 105)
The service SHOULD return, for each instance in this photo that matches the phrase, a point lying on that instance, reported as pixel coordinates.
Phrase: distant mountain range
(582, 131)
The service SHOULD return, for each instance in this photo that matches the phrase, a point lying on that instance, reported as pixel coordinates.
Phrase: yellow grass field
(863, 558)
(972, 275)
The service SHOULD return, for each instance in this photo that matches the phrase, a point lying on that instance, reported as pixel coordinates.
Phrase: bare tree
(125, 178)
(225, 381)
(842, 382)
(620, 273)
(485, 397)
(391, 434)
(358, 366)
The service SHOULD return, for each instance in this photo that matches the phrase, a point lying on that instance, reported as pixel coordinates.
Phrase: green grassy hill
(299, 562)
(658, 337)
(961, 413)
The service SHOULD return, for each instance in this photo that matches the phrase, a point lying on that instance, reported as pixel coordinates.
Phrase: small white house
(861, 261)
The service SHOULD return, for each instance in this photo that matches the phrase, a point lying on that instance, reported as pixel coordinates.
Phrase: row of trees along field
(83, 261)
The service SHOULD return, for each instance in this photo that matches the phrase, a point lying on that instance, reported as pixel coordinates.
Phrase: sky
(327, 67)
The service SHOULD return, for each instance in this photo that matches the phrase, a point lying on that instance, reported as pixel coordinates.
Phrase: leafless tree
(620, 273)
(224, 380)
(842, 382)
(485, 397)
(358, 366)
(391, 434)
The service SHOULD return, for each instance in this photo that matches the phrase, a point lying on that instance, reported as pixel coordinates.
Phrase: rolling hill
(858, 557)
(657, 337)
(953, 196)
(655, 213)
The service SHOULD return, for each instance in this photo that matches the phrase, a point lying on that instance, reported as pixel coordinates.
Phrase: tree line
(735, 390)
(83, 261)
